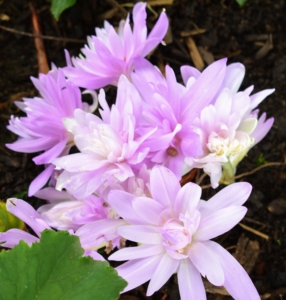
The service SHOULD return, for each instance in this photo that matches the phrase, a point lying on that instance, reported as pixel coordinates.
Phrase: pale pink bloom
(171, 108)
(174, 229)
(42, 129)
(109, 54)
(65, 212)
(27, 214)
(109, 146)
(229, 127)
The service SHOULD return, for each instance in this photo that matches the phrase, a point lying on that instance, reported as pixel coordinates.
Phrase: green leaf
(58, 6)
(241, 2)
(7, 220)
(55, 269)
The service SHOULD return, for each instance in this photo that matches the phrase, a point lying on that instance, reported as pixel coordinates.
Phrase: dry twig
(44, 37)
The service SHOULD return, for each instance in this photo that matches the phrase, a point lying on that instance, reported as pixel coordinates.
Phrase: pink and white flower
(28, 215)
(109, 55)
(171, 108)
(175, 228)
(229, 127)
(109, 146)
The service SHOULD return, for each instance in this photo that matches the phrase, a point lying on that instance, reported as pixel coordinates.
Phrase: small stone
(277, 206)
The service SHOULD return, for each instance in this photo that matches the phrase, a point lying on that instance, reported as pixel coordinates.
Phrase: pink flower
(43, 129)
(109, 146)
(65, 212)
(171, 108)
(175, 228)
(27, 214)
(109, 54)
(229, 127)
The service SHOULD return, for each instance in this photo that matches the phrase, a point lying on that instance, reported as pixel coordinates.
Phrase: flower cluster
(124, 182)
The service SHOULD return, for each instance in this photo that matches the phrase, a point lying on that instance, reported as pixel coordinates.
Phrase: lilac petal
(233, 195)
(141, 234)
(148, 209)
(237, 281)
(164, 186)
(27, 214)
(52, 195)
(50, 154)
(187, 199)
(94, 254)
(166, 268)
(79, 162)
(261, 131)
(157, 34)
(257, 98)
(204, 89)
(136, 252)
(138, 271)
(121, 202)
(207, 263)
(12, 237)
(190, 282)
(188, 71)
(219, 222)
(90, 232)
(40, 180)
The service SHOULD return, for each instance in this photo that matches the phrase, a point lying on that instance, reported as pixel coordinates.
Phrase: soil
(253, 35)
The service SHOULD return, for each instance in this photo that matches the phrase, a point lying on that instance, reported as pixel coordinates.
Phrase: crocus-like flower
(229, 127)
(109, 146)
(43, 129)
(27, 214)
(171, 108)
(174, 228)
(108, 55)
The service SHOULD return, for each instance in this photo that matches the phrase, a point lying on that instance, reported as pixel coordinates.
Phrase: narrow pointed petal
(121, 202)
(237, 281)
(138, 271)
(187, 199)
(233, 195)
(233, 77)
(12, 237)
(148, 209)
(27, 214)
(141, 234)
(137, 252)
(40, 180)
(219, 222)
(190, 282)
(164, 186)
(157, 34)
(188, 71)
(166, 268)
(207, 263)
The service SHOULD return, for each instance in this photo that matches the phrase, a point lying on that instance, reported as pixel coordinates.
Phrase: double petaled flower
(174, 228)
(109, 54)
(42, 129)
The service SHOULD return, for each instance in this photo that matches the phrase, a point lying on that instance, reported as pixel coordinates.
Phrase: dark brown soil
(237, 33)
